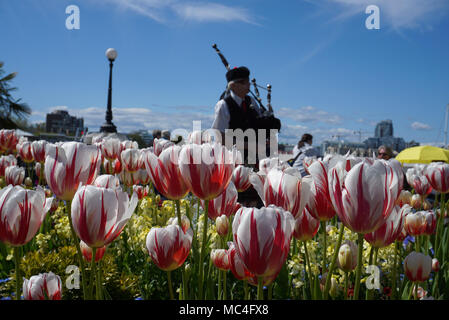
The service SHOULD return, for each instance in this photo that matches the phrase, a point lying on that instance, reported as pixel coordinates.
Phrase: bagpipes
(266, 120)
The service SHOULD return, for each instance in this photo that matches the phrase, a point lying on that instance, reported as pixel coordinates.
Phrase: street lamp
(108, 126)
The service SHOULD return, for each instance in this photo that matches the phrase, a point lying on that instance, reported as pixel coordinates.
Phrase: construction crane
(359, 132)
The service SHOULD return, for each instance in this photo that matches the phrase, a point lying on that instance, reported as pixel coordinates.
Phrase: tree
(11, 110)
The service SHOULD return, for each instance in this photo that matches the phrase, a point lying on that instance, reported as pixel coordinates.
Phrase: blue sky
(330, 74)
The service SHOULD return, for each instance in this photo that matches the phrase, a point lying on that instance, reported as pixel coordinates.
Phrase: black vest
(238, 118)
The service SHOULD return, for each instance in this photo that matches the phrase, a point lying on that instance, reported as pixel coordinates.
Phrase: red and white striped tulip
(160, 145)
(38, 150)
(347, 256)
(130, 178)
(111, 149)
(220, 259)
(438, 175)
(415, 223)
(8, 141)
(265, 165)
(99, 214)
(199, 137)
(417, 266)
(132, 159)
(38, 169)
(262, 239)
(284, 188)
(364, 197)
(144, 176)
(236, 264)
(185, 222)
(306, 226)
(45, 286)
(240, 178)
(435, 265)
(112, 167)
(431, 222)
(207, 168)
(165, 173)
(320, 203)
(87, 252)
(107, 181)
(405, 197)
(169, 247)
(390, 230)
(128, 144)
(14, 175)
(418, 181)
(70, 164)
(6, 161)
(224, 204)
(25, 151)
(222, 225)
(21, 214)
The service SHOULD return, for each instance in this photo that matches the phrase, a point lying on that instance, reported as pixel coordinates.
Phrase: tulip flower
(8, 141)
(21, 214)
(435, 265)
(390, 230)
(25, 151)
(419, 182)
(262, 239)
(165, 173)
(107, 181)
(306, 226)
(130, 178)
(220, 259)
(417, 266)
(45, 286)
(347, 256)
(87, 252)
(99, 214)
(415, 223)
(185, 222)
(160, 145)
(68, 165)
(224, 204)
(284, 188)
(169, 247)
(240, 178)
(111, 148)
(431, 222)
(144, 176)
(38, 150)
(437, 174)
(416, 202)
(207, 168)
(14, 175)
(405, 197)
(112, 167)
(139, 190)
(236, 264)
(131, 160)
(222, 225)
(6, 161)
(320, 204)
(128, 144)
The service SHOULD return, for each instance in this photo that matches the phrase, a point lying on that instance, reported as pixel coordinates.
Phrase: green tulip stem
(183, 267)
(17, 263)
(170, 289)
(334, 260)
(359, 266)
(203, 249)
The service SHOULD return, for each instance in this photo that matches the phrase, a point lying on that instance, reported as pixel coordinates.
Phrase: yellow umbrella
(423, 154)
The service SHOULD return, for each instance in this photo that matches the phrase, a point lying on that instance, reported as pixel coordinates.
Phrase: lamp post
(108, 126)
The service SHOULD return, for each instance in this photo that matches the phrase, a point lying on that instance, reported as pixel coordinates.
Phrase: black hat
(237, 74)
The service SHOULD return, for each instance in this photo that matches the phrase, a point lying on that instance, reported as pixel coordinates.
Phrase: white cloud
(420, 126)
(164, 11)
(397, 14)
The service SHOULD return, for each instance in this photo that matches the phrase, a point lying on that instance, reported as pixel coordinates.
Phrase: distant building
(383, 135)
(59, 121)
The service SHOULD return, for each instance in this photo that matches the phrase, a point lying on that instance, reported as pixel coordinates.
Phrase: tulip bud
(28, 182)
(54, 205)
(415, 223)
(417, 266)
(220, 259)
(87, 252)
(222, 224)
(427, 205)
(435, 265)
(405, 197)
(431, 222)
(43, 286)
(185, 222)
(334, 285)
(416, 201)
(347, 256)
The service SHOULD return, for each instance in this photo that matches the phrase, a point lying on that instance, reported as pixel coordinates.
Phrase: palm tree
(11, 110)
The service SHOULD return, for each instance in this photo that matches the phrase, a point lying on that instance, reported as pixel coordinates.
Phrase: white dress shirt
(222, 115)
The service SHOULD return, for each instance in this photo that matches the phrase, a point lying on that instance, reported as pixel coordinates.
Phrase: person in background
(165, 134)
(301, 150)
(384, 152)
